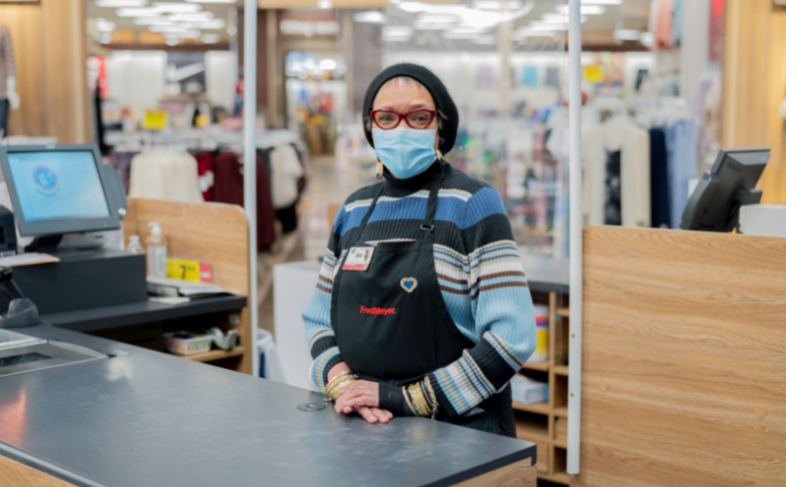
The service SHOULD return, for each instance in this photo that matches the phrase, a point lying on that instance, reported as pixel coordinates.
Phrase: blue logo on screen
(45, 179)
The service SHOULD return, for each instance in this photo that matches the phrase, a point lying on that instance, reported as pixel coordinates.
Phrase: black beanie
(442, 99)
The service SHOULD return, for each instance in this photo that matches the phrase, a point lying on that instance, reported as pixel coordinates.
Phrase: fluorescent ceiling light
(325, 4)
(495, 4)
(328, 64)
(627, 35)
(585, 9)
(210, 1)
(370, 17)
(526, 32)
(210, 24)
(192, 17)
(559, 19)
(152, 21)
(546, 27)
(103, 25)
(137, 12)
(172, 41)
(462, 34)
(397, 33)
(210, 38)
(414, 6)
(121, 3)
(176, 7)
(601, 2)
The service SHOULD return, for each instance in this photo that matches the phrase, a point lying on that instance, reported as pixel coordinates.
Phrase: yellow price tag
(189, 270)
(155, 120)
(594, 74)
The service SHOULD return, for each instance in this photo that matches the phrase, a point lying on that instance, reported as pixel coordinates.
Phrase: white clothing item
(165, 175)
(286, 169)
(634, 144)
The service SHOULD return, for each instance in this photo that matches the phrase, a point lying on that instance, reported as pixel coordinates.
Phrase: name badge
(358, 259)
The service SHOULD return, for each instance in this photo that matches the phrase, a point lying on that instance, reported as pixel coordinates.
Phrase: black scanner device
(22, 311)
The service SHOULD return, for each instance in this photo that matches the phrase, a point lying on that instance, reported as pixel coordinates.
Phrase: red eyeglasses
(387, 119)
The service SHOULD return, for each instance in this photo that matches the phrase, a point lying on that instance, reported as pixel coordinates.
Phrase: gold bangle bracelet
(339, 385)
(335, 392)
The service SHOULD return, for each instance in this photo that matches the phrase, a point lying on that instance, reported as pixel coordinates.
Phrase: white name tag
(358, 259)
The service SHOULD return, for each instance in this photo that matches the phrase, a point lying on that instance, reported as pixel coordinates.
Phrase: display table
(143, 418)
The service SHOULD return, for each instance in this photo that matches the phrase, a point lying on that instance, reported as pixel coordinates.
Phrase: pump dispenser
(156, 251)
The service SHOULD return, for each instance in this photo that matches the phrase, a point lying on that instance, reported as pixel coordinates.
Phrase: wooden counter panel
(519, 474)
(684, 357)
(14, 474)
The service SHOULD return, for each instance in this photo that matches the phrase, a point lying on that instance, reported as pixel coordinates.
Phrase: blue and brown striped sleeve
(321, 339)
(501, 307)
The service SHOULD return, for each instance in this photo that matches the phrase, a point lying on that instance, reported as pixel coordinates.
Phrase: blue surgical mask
(404, 151)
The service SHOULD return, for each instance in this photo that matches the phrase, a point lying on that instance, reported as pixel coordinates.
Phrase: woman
(421, 307)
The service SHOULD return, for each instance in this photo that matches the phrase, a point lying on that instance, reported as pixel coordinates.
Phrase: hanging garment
(682, 166)
(4, 108)
(665, 24)
(677, 16)
(634, 145)
(612, 202)
(288, 218)
(416, 334)
(530, 76)
(552, 77)
(659, 180)
(286, 171)
(7, 63)
(206, 174)
(165, 175)
(228, 188)
(653, 18)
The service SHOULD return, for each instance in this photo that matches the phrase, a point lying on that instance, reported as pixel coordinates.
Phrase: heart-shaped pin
(409, 284)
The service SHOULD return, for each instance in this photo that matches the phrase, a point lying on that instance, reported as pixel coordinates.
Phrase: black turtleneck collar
(418, 182)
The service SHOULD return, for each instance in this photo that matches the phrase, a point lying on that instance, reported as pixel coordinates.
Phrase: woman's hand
(362, 397)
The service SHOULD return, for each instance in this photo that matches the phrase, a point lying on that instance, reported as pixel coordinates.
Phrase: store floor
(328, 185)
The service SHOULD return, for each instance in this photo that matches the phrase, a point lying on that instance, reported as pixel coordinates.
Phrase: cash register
(62, 190)
(66, 198)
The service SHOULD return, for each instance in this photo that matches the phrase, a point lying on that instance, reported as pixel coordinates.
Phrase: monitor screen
(53, 185)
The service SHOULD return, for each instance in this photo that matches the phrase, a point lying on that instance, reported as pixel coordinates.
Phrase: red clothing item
(228, 188)
(206, 175)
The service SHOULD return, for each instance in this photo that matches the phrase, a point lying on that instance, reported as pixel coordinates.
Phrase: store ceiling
(178, 21)
(213, 21)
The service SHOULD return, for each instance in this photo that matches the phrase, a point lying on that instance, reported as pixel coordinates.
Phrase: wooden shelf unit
(213, 355)
(538, 422)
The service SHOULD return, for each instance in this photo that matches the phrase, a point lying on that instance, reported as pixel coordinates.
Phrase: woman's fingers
(381, 415)
(356, 402)
(368, 415)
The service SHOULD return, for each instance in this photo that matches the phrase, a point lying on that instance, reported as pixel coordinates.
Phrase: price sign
(155, 120)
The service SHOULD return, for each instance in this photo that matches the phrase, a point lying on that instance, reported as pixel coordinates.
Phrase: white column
(250, 166)
(576, 227)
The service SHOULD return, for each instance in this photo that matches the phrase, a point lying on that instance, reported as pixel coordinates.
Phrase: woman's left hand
(361, 394)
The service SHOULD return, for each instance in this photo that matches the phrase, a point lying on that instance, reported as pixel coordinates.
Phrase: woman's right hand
(370, 414)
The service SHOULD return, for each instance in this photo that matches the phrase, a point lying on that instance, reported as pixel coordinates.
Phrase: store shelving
(214, 355)
(545, 423)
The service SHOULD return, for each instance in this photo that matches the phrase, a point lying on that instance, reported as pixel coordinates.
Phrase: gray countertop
(148, 419)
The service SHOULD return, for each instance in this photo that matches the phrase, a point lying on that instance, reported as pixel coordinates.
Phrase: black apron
(392, 325)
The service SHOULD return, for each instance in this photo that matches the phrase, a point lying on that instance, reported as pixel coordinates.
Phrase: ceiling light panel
(370, 17)
(121, 3)
(495, 5)
(137, 12)
(176, 7)
(601, 2)
(585, 9)
(210, 1)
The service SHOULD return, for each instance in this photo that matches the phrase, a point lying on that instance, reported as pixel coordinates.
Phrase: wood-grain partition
(210, 232)
(754, 86)
(50, 54)
(684, 371)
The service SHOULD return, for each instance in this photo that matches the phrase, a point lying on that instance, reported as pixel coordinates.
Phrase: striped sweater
(479, 271)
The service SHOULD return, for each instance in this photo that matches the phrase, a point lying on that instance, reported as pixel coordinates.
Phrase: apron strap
(431, 209)
(362, 227)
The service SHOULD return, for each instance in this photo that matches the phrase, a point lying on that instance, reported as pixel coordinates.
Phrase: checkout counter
(78, 409)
